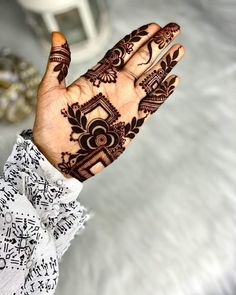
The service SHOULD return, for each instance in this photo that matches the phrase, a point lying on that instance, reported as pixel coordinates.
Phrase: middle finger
(148, 53)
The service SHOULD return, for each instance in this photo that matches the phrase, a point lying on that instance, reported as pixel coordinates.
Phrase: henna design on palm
(162, 39)
(100, 141)
(153, 101)
(106, 69)
(61, 54)
(153, 80)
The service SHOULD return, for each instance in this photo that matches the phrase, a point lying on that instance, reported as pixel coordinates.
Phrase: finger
(145, 56)
(150, 80)
(151, 103)
(106, 70)
(58, 63)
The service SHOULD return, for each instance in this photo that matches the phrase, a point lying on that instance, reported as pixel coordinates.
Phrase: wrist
(52, 157)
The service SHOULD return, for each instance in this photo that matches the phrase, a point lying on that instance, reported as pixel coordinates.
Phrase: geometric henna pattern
(106, 70)
(154, 79)
(61, 54)
(154, 100)
(151, 82)
(101, 100)
(163, 37)
(100, 141)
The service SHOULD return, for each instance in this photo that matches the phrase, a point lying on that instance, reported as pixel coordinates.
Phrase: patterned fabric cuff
(38, 160)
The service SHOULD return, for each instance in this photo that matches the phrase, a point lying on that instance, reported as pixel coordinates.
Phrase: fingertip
(180, 48)
(174, 80)
(58, 61)
(57, 38)
(173, 26)
(177, 80)
(154, 26)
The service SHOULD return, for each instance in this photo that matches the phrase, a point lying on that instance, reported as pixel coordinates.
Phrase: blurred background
(165, 212)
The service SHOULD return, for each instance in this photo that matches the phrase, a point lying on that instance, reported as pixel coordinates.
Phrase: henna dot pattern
(100, 141)
(61, 54)
(106, 70)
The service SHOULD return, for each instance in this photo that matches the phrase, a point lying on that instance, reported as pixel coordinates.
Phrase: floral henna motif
(106, 69)
(61, 54)
(162, 39)
(166, 35)
(153, 80)
(100, 141)
(154, 100)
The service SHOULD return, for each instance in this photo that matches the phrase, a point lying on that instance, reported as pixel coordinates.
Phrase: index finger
(106, 69)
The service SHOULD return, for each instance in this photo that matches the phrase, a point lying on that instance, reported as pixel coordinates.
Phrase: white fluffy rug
(165, 212)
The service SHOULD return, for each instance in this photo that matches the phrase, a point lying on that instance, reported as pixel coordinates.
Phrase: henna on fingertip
(61, 55)
(151, 103)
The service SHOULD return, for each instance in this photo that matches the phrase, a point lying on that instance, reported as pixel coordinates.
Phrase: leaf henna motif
(61, 54)
(162, 38)
(106, 69)
(100, 141)
(153, 80)
(131, 129)
(154, 100)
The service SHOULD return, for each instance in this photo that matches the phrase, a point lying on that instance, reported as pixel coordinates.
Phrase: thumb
(58, 62)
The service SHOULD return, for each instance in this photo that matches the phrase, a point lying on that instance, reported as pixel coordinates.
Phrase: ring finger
(151, 79)
(151, 103)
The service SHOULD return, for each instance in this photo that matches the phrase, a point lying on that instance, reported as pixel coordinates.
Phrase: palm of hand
(88, 125)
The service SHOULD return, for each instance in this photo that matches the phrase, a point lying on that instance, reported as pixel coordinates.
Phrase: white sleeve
(39, 216)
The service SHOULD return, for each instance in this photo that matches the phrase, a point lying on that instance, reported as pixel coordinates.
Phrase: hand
(84, 127)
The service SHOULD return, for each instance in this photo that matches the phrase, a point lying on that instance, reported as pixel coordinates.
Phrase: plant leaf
(58, 67)
(126, 38)
(72, 121)
(143, 33)
(144, 27)
(78, 115)
(84, 121)
(77, 129)
(176, 54)
(172, 81)
(127, 128)
(130, 135)
(173, 63)
(140, 122)
(133, 123)
(168, 59)
(135, 39)
(136, 130)
(70, 111)
(134, 33)
(163, 65)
